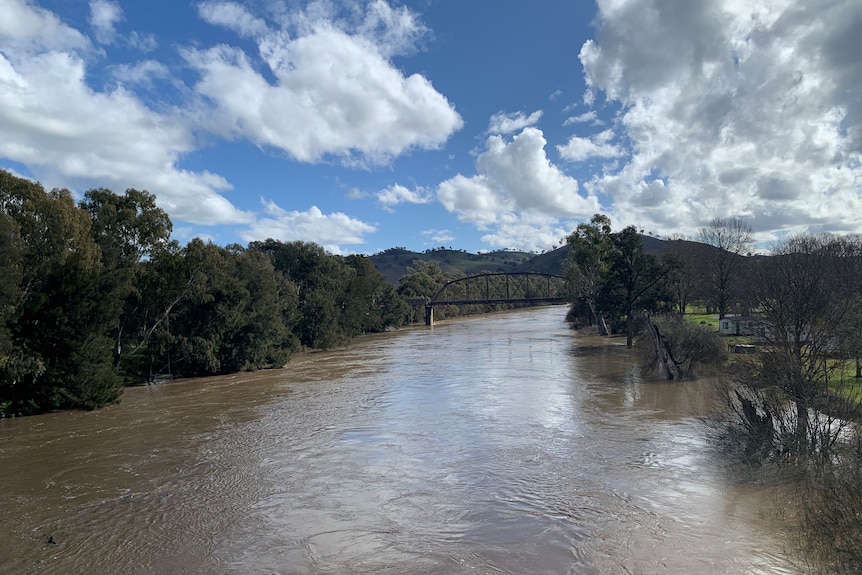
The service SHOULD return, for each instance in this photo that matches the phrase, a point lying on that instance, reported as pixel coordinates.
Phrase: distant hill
(394, 263)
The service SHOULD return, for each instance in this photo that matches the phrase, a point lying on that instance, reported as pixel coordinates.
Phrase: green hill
(395, 262)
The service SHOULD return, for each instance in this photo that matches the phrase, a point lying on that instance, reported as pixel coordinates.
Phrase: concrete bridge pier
(429, 314)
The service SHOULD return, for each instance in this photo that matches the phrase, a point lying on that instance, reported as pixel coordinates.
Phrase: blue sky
(481, 125)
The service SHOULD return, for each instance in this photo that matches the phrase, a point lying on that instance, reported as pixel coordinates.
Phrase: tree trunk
(659, 348)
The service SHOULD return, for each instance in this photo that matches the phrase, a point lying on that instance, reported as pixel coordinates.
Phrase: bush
(677, 347)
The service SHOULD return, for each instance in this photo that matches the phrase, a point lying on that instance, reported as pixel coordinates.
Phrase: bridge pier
(429, 314)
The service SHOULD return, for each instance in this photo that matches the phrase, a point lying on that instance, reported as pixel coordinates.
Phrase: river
(499, 444)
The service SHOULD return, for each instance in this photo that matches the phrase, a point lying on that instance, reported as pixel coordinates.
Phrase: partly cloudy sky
(481, 125)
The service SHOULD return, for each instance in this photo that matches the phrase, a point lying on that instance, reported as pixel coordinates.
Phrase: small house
(742, 325)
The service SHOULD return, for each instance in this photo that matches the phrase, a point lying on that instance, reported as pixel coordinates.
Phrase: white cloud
(104, 16)
(514, 176)
(502, 123)
(590, 116)
(394, 31)
(439, 237)
(26, 27)
(516, 184)
(528, 233)
(328, 230)
(140, 73)
(70, 135)
(142, 42)
(232, 16)
(733, 108)
(398, 194)
(331, 93)
(334, 92)
(579, 149)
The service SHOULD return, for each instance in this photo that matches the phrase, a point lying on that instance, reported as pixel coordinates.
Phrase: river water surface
(501, 444)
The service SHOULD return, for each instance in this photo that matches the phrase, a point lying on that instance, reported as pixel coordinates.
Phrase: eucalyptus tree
(590, 245)
(320, 280)
(57, 350)
(370, 303)
(613, 274)
(127, 228)
(634, 281)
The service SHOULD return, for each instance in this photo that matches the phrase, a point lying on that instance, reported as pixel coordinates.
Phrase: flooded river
(502, 444)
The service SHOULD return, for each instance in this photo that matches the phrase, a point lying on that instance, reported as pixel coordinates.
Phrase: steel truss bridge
(499, 288)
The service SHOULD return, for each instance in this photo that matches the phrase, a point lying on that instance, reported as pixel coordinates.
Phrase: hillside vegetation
(395, 263)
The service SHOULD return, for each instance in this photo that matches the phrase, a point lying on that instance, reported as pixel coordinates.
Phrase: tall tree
(687, 279)
(586, 266)
(56, 328)
(731, 239)
(320, 280)
(126, 228)
(370, 302)
(634, 280)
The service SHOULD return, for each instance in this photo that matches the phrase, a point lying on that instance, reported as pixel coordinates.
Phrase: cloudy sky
(481, 125)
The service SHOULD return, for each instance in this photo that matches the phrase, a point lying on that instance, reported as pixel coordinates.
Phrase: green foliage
(96, 295)
(370, 303)
(613, 274)
(56, 306)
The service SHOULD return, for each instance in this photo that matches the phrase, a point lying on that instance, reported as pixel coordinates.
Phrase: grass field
(697, 316)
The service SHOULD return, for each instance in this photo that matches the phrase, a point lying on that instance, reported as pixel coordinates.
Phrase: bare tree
(731, 239)
(808, 289)
(687, 279)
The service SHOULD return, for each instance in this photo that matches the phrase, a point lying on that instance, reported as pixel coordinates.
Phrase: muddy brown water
(501, 444)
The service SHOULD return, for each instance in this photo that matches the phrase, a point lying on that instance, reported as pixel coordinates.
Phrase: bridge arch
(498, 288)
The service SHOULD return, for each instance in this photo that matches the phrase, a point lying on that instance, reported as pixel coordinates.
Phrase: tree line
(94, 296)
(796, 404)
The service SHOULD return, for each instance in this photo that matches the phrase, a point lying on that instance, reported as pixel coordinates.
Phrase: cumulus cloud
(516, 185)
(398, 194)
(330, 91)
(333, 91)
(514, 175)
(579, 149)
(528, 232)
(328, 230)
(502, 123)
(104, 16)
(70, 135)
(26, 27)
(732, 108)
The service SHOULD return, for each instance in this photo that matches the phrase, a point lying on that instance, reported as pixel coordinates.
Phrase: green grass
(710, 319)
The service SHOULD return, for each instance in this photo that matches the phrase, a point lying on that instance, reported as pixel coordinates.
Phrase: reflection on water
(502, 444)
